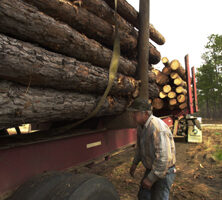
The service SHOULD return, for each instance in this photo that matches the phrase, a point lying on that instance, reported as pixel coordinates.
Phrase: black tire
(67, 187)
(38, 187)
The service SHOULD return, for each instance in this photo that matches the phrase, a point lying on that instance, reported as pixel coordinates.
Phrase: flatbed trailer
(22, 158)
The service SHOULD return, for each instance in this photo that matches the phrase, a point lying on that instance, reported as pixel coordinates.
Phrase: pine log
(176, 66)
(172, 107)
(172, 95)
(181, 71)
(182, 90)
(157, 103)
(20, 105)
(25, 22)
(161, 78)
(151, 77)
(174, 75)
(92, 26)
(153, 90)
(27, 64)
(126, 11)
(183, 106)
(162, 95)
(156, 71)
(165, 61)
(181, 98)
(179, 81)
(167, 88)
(172, 102)
(167, 70)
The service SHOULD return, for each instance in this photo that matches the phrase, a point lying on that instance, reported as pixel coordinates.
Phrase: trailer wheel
(67, 187)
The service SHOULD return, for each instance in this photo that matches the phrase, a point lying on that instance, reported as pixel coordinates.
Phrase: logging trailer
(23, 156)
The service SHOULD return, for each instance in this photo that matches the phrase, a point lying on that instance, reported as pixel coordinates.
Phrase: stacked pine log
(172, 84)
(55, 55)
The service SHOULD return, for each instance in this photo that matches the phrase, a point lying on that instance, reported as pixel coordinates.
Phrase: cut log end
(157, 103)
(162, 95)
(181, 98)
(175, 64)
(172, 95)
(167, 88)
(172, 102)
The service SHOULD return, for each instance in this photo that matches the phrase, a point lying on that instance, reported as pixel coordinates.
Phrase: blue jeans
(160, 190)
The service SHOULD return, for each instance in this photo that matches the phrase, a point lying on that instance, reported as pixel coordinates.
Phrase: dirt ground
(199, 170)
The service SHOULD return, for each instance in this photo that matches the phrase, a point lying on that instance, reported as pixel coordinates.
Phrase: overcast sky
(185, 24)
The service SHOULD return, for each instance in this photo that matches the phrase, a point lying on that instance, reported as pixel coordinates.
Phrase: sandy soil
(199, 172)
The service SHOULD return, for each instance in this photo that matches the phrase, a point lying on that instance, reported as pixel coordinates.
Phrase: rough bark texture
(167, 70)
(129, 13)
(23, 62)
(153, 90)
(102, 10)
(85, 22)
(92, 26)
(21, 105)
(162, 79)
(25, 22)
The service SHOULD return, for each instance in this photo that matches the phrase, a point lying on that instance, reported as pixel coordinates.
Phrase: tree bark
(92, 26)
(162, 79)
(153, 90)
(129, 13)
(20, 105)
(27, 64)
(167, 70)
(25, 22)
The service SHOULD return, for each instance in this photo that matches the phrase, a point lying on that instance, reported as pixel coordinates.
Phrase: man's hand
(146, 183)
(133, 169)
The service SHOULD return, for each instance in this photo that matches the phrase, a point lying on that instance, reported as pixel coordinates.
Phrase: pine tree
(209, 79)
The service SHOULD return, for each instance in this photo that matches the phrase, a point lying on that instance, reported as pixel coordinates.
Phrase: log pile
(55, 57)
(173, 87)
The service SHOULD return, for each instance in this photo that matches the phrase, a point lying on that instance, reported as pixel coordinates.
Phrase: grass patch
(218, 154)
(217, 133)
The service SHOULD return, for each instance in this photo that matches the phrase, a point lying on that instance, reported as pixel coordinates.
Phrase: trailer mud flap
(194, 134)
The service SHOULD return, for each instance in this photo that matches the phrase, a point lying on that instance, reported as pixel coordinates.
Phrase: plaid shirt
(155, 148)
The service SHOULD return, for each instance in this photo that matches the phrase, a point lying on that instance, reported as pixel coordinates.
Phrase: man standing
(156, 150)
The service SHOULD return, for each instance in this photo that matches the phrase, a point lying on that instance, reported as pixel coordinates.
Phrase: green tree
(209, 79)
